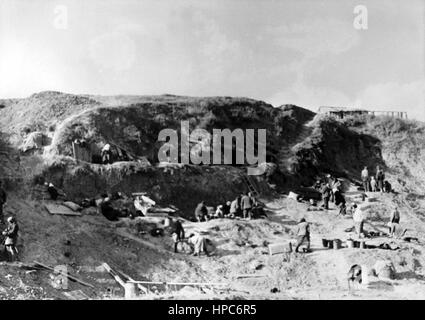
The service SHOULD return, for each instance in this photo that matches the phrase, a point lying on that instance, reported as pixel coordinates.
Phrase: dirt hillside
(304, 146)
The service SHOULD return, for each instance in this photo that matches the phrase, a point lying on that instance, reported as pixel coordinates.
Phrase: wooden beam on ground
(251, 276)
(114, 274)
(180, 283)
(59, 209)
(65, 274)
(128, 278)
(76, 295)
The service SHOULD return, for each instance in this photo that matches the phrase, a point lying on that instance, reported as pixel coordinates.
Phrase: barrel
(362, 245)
(337, 244)
(356, 244)
(350, 243)
(325, 243)
(330, 244)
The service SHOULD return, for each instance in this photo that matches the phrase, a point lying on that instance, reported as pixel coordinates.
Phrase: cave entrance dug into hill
(91, 152)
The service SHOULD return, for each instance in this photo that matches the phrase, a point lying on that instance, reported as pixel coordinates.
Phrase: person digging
(176, 231)
(199, 243)
(303, 235)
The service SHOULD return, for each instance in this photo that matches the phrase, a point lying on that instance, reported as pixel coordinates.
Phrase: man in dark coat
(326, 195)
(107, 210)
(176, 231)
(380, 177)
(11, 233)
(340, 202)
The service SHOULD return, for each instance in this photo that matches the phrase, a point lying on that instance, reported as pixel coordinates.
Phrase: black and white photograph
(225, 151)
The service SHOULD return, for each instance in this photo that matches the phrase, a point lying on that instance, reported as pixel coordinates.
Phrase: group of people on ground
(359, 218)
(331, 192)
(195, 239)
(245, 205)
(375, 183)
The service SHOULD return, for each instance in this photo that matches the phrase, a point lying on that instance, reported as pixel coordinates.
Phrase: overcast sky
(304, 52)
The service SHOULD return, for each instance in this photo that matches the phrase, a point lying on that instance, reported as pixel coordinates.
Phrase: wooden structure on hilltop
(342, 112)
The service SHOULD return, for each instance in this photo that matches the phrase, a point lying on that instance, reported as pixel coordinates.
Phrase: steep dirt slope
(134, 122)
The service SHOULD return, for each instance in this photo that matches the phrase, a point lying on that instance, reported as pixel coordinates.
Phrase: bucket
(362, 245)
(350, 243)
(330, 244)
(337, 244)
(325, 243)
(356, 244)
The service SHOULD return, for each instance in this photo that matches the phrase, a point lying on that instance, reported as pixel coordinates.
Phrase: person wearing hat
(303, 234)
(3, 199)
(11, 234)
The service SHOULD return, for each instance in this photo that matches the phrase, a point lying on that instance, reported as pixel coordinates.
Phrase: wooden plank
(128, 278)
(60, 210)
(251, 276)
(277, 248)
(76, 295)
(180, 283)
(65, 274)
(114, 274)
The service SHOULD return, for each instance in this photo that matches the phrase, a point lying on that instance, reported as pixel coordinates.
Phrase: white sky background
(303, 52)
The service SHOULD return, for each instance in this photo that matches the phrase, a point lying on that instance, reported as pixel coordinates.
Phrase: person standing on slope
(380, 177)
(394, 221)
(326, 194)
(365, 179)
